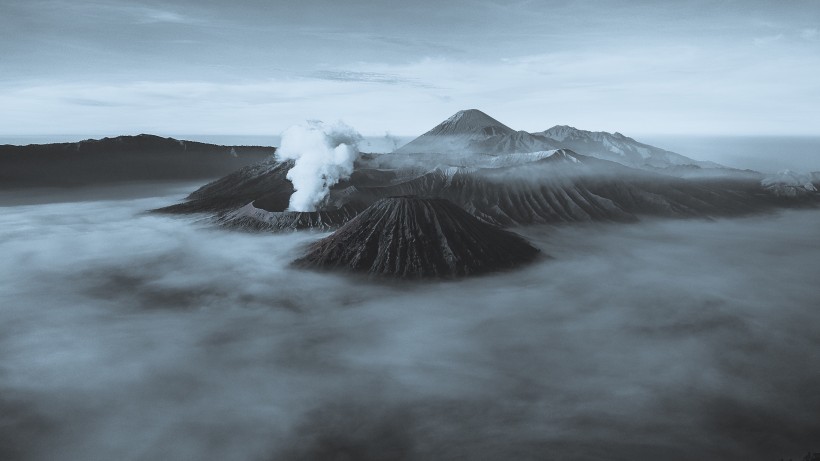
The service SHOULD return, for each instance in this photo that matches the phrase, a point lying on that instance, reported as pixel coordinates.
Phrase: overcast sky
(257, 67)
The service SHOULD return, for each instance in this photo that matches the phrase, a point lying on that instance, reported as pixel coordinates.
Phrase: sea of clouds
(135, 336)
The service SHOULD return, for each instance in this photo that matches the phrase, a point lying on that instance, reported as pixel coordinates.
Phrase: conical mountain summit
(413, 237)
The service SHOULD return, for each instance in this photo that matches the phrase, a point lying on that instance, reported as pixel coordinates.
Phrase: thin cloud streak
(661, 90)
(630, 66)
(366, 77)
(123, 12)
(808, 34)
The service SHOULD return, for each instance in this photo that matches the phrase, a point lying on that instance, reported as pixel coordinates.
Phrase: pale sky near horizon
(258, 67)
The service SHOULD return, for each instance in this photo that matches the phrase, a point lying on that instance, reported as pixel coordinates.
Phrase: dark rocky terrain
(412, 237)
(559, 188)
(121, 159)
(251, 218)
(507, 188)
(264, 181)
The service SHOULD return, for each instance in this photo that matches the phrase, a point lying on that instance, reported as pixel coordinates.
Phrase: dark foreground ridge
(121, 159)
(412, 237)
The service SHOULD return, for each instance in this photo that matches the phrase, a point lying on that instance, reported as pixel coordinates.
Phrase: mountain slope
(264, 179)
(124, 158)
(470, 121)
(519, 189)
(472, 131)
(567, 187)
(507, 189)
(411, 237)
(557, 186)
(618, 148)
(789, 183)
(252, 218)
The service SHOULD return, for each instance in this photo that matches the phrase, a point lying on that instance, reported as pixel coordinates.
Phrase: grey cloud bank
(135, 336)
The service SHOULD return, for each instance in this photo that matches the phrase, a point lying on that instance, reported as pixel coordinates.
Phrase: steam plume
(324, 154)
(392, 140)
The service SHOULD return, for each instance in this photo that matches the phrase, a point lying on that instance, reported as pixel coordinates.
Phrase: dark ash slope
(412, 237)
(264, 182)
(561, 188)
(251, 218)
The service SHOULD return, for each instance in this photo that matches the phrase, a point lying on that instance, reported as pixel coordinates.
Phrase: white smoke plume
(324, 154)
(393, 141)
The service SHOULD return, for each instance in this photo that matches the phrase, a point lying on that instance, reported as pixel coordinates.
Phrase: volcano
(506, 189)
(470, 121)
(413, 237)
(472, 131)
(252, 218)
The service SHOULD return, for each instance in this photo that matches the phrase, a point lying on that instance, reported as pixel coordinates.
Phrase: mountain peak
(470, 121)
(471, 131)
(561, 132)
(414, 237)
(466, 131)
(470, 113)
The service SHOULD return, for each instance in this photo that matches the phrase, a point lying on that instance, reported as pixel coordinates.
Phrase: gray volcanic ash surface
(264, 179)
(412, 237)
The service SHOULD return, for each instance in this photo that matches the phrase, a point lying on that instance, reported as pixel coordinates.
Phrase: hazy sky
(257, 67)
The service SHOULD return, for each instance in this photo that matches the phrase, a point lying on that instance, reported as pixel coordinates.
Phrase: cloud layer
(126, 335)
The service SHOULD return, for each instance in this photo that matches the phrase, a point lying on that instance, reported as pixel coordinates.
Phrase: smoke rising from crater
(324, 154)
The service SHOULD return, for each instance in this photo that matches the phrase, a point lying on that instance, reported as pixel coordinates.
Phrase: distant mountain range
(433, 207)
(558, 186)
(474, 132)
(468, 138)
(618, 148)
(500, 175)
(121, 159)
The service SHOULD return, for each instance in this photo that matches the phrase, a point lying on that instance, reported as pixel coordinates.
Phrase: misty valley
(477, 293)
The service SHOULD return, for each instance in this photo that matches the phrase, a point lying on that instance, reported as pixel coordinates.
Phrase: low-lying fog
(132, 336)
